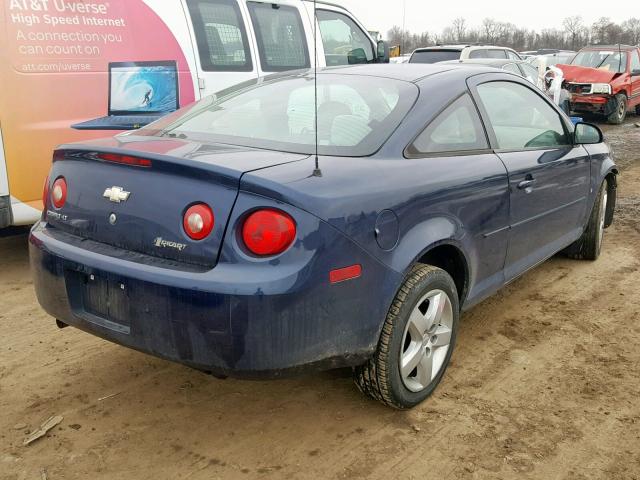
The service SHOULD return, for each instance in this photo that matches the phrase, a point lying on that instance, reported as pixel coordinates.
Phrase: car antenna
(316, 172)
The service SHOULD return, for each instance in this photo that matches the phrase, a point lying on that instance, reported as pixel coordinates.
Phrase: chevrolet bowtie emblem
(116, 194)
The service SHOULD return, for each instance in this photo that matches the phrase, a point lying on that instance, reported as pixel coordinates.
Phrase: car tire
(589, 245)
(637, 109)
(420, 329)
(620, 110)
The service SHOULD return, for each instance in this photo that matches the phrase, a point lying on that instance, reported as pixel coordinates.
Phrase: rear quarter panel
(458, 200)
(602, 164)
(436, 201)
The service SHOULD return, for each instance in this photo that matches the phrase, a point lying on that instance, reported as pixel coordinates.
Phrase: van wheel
(416, 343)
(620, 111)
(589, 245)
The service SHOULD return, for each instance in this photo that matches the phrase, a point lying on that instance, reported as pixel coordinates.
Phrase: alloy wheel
(426, 340)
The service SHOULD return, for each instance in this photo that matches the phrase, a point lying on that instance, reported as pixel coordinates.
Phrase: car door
(222, 42)
(548, 176)
(283, 35)
(344, 42)
(513, 68)
(512, 55)
(529, 72)
(635, 78)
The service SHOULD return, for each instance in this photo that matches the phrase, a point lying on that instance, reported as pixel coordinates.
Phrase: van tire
(381, 377)
(620, 110)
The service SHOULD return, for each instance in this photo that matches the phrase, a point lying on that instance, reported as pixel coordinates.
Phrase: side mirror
(357, 55)
(586, 134)
(382, 52)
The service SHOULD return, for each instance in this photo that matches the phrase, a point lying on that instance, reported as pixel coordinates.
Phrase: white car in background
(542, 62)
(443, 53)
(519, 67)
(400, 58)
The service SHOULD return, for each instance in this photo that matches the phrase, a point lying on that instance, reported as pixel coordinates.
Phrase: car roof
(441, 47)
(409, 72)
(610, 47)
(494, 62)
(557, 54)
(459, 47)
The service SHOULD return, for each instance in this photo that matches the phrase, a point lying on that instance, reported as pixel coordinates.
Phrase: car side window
(496, 53)
(512, 55)
(456, 129)
(344, 42)
(488, 53)
(530, 72)
(513, 68)
(635, 61)
(521, 118)
(280, 35)
(480, 53)
(220, 35)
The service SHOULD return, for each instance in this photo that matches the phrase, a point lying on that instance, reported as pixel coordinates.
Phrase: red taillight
(45, 192)
(125, 159)
(59, 192)
(268, 232)
(198, 221)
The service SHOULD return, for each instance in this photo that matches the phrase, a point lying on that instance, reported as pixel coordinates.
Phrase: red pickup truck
(604, 79)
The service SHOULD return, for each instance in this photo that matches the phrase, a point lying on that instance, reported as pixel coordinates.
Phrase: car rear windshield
(356, 114)
(434, 56)
(610, 60)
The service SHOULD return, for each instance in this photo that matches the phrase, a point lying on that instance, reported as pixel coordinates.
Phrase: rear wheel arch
(612, 186)
(405, 368)
(451, 258)
(589, 245)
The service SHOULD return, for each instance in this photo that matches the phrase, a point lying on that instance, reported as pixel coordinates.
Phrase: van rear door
(283, 35)
(224, 48)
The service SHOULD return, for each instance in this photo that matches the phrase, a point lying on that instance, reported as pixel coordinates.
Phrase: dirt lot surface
(544, 384)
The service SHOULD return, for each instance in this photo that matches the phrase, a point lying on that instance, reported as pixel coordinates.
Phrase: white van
(78, 69)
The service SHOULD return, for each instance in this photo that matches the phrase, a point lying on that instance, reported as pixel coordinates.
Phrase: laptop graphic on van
(139, 93)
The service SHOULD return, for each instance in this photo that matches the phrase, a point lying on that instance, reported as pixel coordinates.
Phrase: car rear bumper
(227, 320)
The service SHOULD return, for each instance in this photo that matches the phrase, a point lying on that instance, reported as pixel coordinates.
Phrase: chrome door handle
(526, 183)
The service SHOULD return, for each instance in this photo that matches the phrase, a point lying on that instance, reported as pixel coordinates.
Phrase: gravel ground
(544, 383)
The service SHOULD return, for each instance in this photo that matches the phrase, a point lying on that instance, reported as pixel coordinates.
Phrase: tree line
(573, 35)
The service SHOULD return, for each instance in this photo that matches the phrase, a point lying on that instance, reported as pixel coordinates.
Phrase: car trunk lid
(132, 192)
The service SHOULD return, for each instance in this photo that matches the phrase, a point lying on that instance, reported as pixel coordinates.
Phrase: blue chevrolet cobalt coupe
(217, 238)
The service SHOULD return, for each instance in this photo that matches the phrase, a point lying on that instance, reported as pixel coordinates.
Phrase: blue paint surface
(214, 306)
